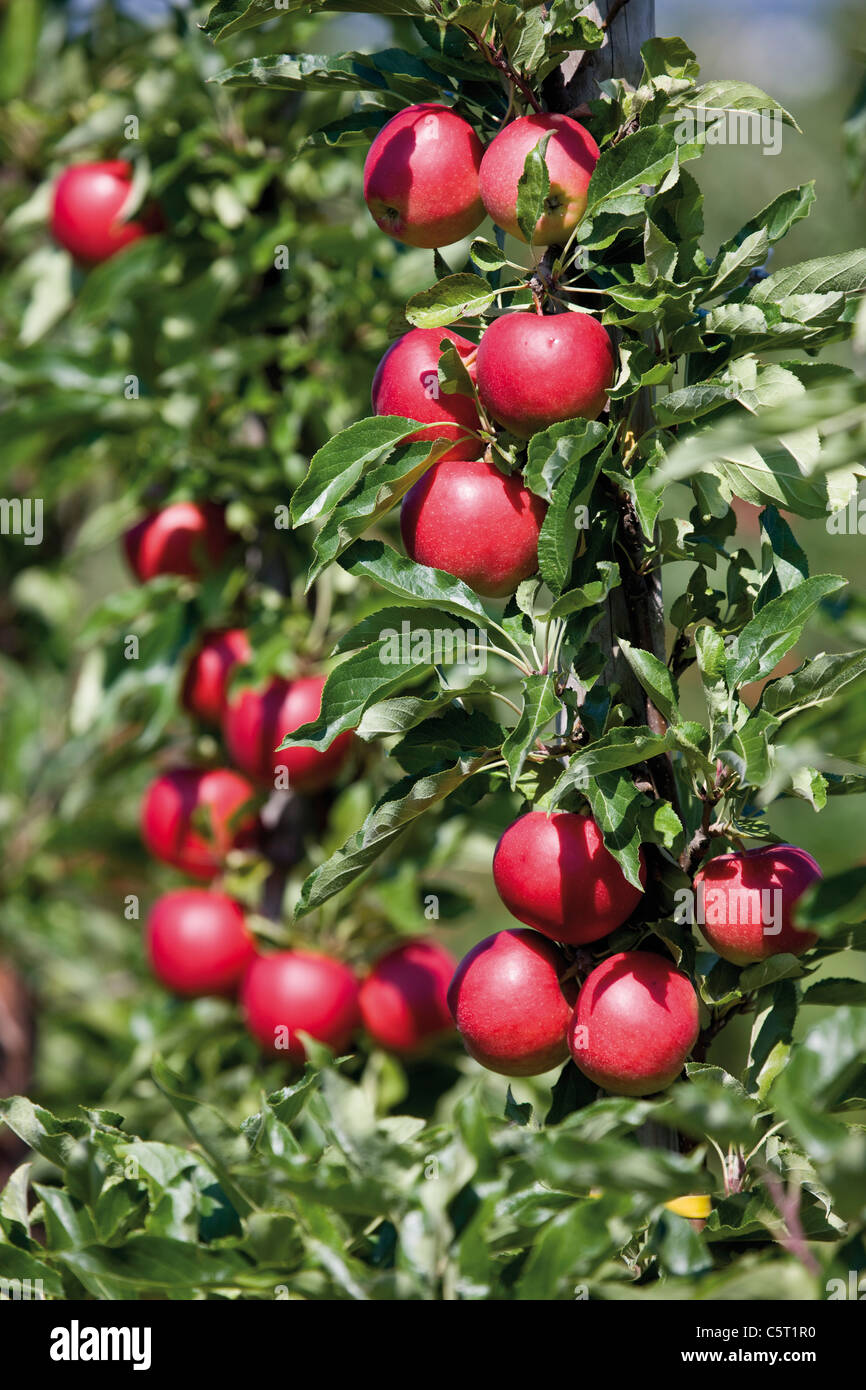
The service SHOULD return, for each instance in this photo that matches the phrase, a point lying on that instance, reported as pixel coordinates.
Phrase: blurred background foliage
(191, 366)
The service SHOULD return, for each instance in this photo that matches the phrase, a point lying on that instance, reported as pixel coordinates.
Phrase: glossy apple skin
(298, 990)
(185, 538)
(198, 942)
(209, 671)
(256, 721)
(86, 207)
(172, 800)
(555, 874)
(421, 177)
(404, 1005)
(571, 156)
(472, 521)
(735, 931)
(508, 1003)
(634, 1025)
(406, 380)
(536, 369)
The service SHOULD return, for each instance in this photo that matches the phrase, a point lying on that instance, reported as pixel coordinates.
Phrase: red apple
(255, 722)
(297, 990)
(198, 942)
(536, 369)
(85, 214)
(421, 177)
(186, 538)
(634, 1025)
(511, 1005)
(555, 874)
(571, 156)
(406, 383)
(192, 818)
(467, 518)
(404, 1003)
(209, 671)
(747, 899)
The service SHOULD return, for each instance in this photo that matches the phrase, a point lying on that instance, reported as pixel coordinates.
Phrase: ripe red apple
(555, 874)
(747, 899)
(421, 177)
(198, 942)
(536, 369)
(255, 722)
(467, 518)
(85, 213)
(209, 671)
(511, 1005)
(406, 383)
(571, 156)
(297, 990)
(634, 1025)
(404, 1004)
(187, 538)
(192, 818)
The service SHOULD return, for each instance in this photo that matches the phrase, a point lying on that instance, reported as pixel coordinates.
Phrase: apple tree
(530, 566)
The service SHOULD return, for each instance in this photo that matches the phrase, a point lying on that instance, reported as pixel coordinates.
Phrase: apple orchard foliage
(242, 384)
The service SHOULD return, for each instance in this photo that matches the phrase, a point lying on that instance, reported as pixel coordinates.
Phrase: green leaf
(17, 1264)
(678, 1247)
(669, 57)
(775, 629)
(625, 169)
(389, 818)
(779, 216)
(486, 256)
(558, 449)
(616, 806)
(832, 993)
(565, 517)
(844, 273)
(455, 297)
(370, 675)
(392, 70)
(588, 595)
(338, 466)
(451, 735)
(619, 748)
(814, 684)
(405, 712)
(541, 705)
(712, 664)
(832, 903)
(412, 583)
(533, 188)
(772, 1034)
(359, 128)
(382, 488)
(721, 95)
(516, 1113)
(655, 678)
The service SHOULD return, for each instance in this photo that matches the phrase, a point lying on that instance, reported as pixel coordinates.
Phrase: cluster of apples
(428, 182)
(634, 1021)
(198, 939)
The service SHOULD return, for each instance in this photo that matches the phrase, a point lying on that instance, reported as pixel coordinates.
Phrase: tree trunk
(629, 24)
(635, 609)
